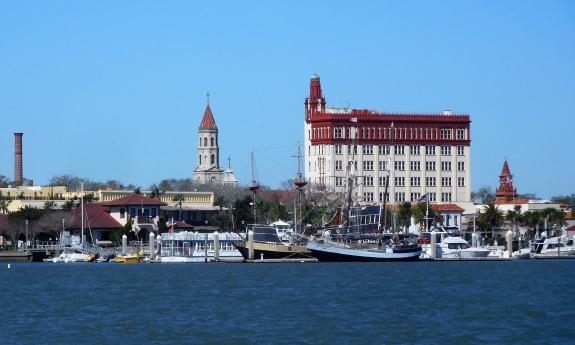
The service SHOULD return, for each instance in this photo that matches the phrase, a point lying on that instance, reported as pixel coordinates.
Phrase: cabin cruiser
(274, 241)
(188, 246)
(449, 245)
(553, 248)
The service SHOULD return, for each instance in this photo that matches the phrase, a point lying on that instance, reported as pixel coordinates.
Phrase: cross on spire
(208, 97)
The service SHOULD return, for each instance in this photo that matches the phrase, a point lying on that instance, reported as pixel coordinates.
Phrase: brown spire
(505, 171)
(208, 121)
(505, 192)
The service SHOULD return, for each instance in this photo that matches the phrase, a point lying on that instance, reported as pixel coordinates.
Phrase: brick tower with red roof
(505, 192)
(208, 169)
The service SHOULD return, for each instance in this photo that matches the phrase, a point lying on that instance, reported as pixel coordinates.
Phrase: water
(323, 303)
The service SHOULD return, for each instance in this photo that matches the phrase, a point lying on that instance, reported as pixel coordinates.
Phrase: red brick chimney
(18, 174)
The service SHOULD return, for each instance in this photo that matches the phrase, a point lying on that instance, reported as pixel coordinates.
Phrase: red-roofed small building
(97, 220)
(144, 211)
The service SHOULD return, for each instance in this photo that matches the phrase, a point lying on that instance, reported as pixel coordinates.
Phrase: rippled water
(339, 303)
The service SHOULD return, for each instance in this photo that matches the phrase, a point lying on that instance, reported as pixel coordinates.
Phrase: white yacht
(187, 246)
(450, 246)
(553, 248)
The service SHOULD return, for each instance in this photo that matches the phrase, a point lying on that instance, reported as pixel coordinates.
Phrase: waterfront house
(143, 211)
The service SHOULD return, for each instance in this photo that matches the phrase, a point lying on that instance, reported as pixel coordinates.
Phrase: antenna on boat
(254, 187)
(300, 183)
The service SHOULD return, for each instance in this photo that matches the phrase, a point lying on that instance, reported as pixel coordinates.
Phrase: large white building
(422, 153)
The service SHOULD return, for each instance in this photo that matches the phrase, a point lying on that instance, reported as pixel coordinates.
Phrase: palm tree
(179, 199)
(4, 203)
(532, 219)
(419, 212)
(492, 217)
(514, 216)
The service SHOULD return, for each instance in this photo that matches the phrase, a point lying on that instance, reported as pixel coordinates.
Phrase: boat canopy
(265, 234)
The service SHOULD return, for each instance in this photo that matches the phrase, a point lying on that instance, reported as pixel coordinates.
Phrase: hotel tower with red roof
(422, 153)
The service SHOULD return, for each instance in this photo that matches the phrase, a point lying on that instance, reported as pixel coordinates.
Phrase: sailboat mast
(254, 187)
(82, 214)
(300, 183)
(351, 172)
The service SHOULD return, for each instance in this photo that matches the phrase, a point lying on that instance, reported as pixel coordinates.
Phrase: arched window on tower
(212, 159)
(200, 142)
(205, 141)
(213, 142)
(200, 160)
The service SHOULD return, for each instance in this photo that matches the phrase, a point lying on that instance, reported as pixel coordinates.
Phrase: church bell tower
(208, 169)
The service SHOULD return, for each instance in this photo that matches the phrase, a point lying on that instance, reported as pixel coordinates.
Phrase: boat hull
(273, 251)
(335, 253)
(199, 259)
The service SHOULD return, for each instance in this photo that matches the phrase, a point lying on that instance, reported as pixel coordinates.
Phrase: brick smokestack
(18, 174)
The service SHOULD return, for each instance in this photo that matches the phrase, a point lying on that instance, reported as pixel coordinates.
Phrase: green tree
(514, 217)
(155, 194)
(484, 195)
(419, 212)
(179, 199)
(404, 214)
(533, 220)
(491, 218)
(4, 203)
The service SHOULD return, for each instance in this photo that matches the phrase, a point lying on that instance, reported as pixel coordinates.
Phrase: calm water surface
(355, 303)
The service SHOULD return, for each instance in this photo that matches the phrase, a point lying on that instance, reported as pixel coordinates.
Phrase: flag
(354, 119)
(422, 198)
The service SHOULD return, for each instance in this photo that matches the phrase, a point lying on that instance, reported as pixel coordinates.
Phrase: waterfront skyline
(117, 90)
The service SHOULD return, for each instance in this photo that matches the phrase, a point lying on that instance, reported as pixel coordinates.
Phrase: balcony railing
(144, 220)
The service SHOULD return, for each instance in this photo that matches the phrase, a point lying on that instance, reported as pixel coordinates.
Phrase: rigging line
(274, 147)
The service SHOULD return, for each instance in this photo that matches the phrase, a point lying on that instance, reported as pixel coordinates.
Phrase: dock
(15, 257)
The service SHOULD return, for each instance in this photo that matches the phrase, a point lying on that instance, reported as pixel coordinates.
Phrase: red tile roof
(96, 217)
(134, 200)
(208, 121)
(446, 208)
(182, 225)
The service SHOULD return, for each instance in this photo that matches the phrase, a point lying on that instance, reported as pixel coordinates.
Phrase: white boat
(450, 246)
(188, 247)
(77, 252)
(553, 248)
(71, 256)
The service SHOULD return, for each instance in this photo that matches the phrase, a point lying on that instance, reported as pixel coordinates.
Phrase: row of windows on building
(401, 197)
(393, 133)
(205, 140)
(146, 212)
(400, 165)
(400, 181)
(430, 150)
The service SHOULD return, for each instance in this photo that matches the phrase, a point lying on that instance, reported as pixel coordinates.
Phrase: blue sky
(116, 89)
